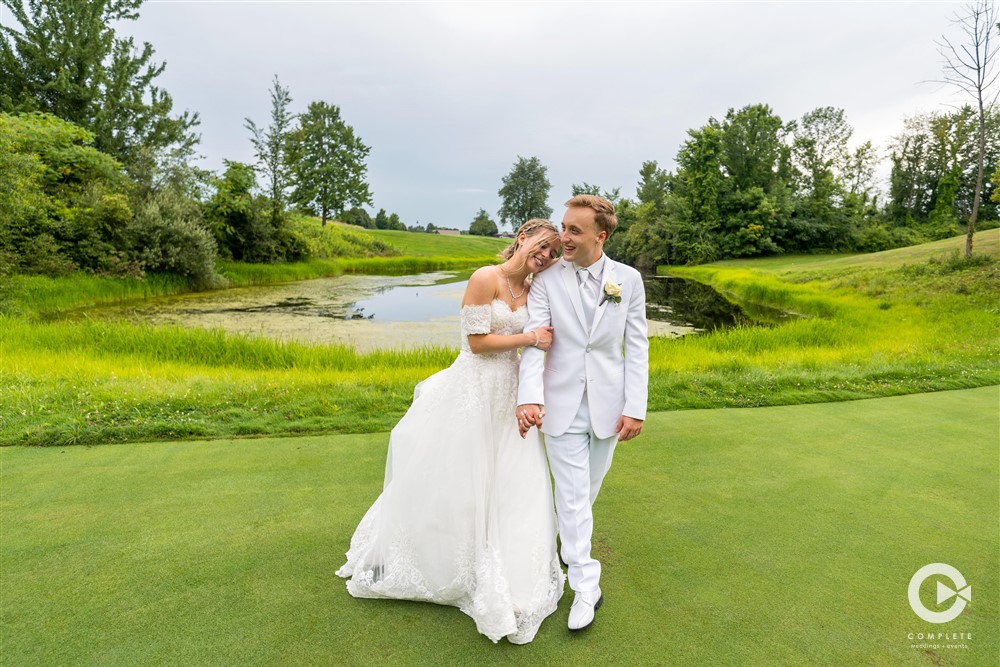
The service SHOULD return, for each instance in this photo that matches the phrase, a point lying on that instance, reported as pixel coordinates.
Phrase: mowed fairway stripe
(783, 535)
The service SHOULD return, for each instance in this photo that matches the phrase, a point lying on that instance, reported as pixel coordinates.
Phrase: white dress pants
(579, 461)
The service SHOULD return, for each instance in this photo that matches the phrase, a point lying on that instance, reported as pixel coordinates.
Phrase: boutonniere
(612, 292)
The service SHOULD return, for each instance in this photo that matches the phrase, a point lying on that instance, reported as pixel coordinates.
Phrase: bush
(881, 236)
(336, 241)
(169, 237)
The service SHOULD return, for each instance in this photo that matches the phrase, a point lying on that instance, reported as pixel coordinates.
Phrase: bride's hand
(544, 338)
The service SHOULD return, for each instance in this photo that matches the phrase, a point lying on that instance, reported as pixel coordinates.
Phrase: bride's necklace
(513, 297)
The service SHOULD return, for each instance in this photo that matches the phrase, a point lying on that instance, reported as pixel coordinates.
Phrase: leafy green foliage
(329, 241)
(243, 233)
(933, 179)
(328, 163)
(65, 207)
(171, 237)
(67, 60)
(753, 185)
(359, 217)
(270, 147)
(483, 225)
(524, 192)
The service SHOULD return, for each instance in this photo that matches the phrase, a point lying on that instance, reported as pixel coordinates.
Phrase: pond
(395, 311)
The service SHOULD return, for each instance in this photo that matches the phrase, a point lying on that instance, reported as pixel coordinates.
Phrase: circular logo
(961, 591)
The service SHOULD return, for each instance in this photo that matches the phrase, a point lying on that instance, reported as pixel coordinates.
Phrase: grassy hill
(985, 243)
(438, 245)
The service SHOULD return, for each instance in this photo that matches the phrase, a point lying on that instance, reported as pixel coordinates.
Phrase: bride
(466, 514)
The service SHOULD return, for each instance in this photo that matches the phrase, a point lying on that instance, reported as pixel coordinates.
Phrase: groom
(591, 387)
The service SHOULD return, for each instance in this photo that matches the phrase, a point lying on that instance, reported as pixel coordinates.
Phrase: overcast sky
(448, 94)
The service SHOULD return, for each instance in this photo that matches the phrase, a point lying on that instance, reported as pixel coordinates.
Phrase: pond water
(395, 311)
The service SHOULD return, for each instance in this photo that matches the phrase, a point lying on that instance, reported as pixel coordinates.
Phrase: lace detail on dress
(496, 318)
(476, 319)
(466, 515)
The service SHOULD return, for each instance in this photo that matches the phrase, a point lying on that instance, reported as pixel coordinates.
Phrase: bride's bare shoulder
(482, 287)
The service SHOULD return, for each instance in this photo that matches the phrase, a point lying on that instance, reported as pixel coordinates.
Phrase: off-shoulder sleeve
(476, 319)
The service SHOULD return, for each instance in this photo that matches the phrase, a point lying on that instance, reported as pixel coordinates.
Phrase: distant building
(448, 232)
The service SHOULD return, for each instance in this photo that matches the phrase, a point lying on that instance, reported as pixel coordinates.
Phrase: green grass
(431, 245)
(903, 321)
(775, 536)
(332, 240)
(91, 382)
(338, 249)
(984, 243)
(892, 328)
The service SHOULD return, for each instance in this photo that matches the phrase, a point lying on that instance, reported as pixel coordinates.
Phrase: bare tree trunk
(979, 180)
(971, 68)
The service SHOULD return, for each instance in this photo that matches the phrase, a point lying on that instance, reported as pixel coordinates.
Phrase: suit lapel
(609, 274)
(573, 290)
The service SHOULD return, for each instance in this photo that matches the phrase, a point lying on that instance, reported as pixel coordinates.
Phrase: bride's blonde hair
(531, 228)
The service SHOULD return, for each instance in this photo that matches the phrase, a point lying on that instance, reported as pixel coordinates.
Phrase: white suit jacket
(610, 359)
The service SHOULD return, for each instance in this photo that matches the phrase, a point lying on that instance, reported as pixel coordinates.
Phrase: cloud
(449, 94)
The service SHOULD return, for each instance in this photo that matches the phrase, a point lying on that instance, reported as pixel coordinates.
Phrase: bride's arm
(481, 292)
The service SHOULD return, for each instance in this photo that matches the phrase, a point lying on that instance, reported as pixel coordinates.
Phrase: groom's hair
(604, 211)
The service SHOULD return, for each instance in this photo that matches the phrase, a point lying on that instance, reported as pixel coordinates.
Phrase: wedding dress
(466, 514)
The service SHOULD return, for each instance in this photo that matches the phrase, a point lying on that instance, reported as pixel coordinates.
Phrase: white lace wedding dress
(466, 514)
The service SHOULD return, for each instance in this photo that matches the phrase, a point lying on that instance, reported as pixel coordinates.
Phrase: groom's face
(581, 241)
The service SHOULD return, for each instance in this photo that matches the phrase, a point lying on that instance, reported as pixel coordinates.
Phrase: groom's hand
(628, 428)
(527, 416)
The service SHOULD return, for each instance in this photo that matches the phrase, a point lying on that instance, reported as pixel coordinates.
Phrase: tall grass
(332, 240)
(43, 295)
(872, 329)
(203, 347)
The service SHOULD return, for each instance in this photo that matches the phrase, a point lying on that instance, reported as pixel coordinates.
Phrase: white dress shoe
(581, 614)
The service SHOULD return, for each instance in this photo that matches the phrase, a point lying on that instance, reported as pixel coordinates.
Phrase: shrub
(169, 236)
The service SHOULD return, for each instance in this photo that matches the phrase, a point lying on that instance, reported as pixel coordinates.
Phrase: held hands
(527, 416)
(544, 336)
(627, 428)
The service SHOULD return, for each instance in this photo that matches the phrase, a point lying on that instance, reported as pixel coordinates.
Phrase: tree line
(96, 168)
(97, 173)
(753, 184)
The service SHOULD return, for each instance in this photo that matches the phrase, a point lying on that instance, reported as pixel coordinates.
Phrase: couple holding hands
(466, 515)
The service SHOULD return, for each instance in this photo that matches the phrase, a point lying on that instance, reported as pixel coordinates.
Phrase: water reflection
(699, 306)
(394, 311)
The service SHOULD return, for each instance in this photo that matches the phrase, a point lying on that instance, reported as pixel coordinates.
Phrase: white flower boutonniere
(612, 292)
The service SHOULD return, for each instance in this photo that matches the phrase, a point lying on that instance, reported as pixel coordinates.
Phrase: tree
(359, 217)
(820, 150)
(395, 223)
(62, 202)
(483, 225)
(270, 148)
(524, 192)
(329, 162)
(231, 212)
(971, 67)
(381, 219)
(585, 188)
(67, 60)
(654, 185)
(996, 186)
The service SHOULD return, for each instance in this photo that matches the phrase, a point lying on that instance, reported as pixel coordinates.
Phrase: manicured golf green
(765, 536)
